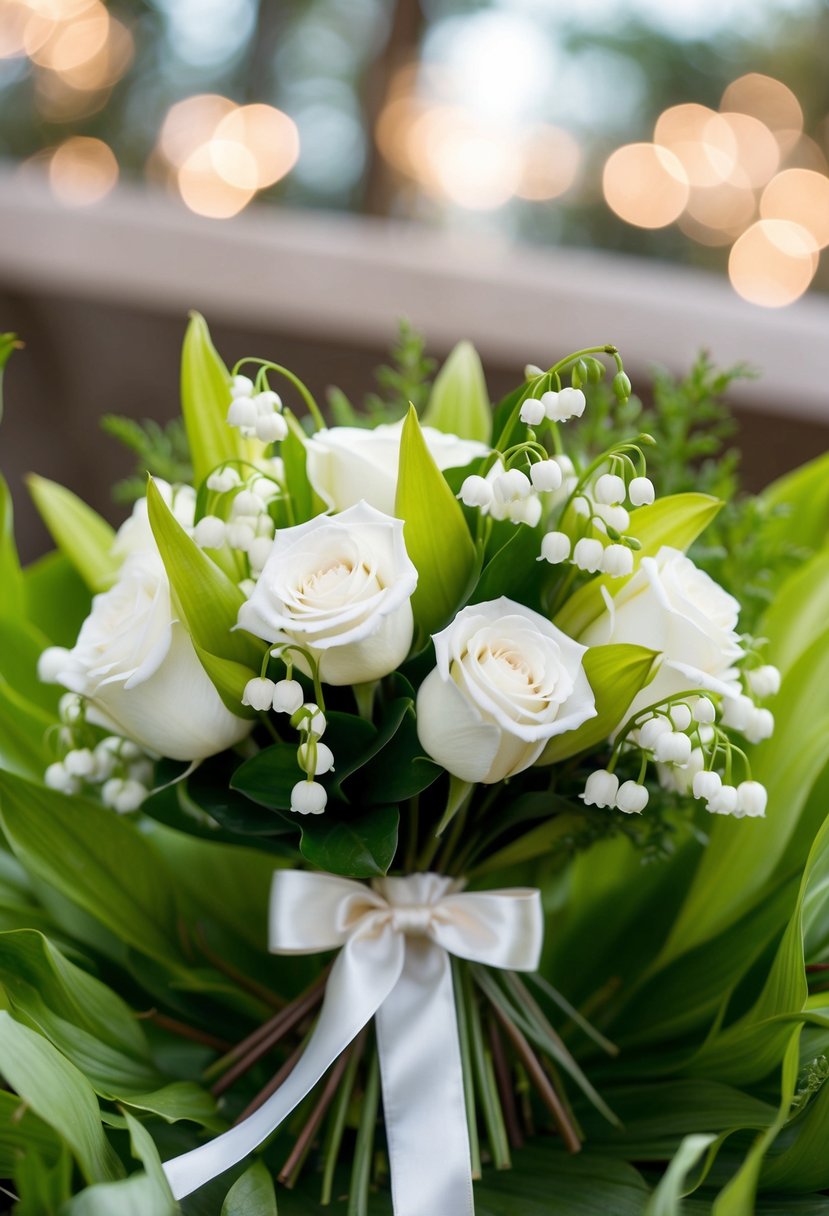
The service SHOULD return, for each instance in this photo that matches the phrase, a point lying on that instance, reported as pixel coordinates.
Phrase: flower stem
(338, 1119)
(364, 1147)
(466, 1063)
(485, 1077)
(290, 1171)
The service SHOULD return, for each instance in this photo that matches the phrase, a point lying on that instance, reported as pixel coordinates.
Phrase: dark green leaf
(359, 846)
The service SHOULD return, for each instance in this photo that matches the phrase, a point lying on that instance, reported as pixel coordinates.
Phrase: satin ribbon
(395, 937)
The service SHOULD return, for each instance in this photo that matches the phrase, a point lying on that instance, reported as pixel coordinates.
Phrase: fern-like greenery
(159, 450)
(406, 378)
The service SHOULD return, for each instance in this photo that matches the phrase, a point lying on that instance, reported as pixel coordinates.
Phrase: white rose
(135, 534)
(506, 681)
(672, 606)
(339, 586)
(348, 464)
(136, 665)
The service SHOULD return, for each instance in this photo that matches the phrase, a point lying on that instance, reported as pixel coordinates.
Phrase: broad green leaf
(676, 520)
(12, 596)
(57, 598)
(459, 401)
(97, 859)
(252, 1194)
(616, 674)
(269, 776)
(800, 502)
(305, 502)
(798, 613)
(667, 1198)
(22, 1131)
(23, 728)
(44, 1187)
(60, 1094)
(357, 846)
(514, 565)
(146, 1193)
(21, 645)
(229, 679)
(205, 400)
(435, 531)
(209, 602)
(78, 531)
(538, 842)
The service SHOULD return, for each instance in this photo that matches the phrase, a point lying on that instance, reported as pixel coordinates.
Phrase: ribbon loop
(396, 938)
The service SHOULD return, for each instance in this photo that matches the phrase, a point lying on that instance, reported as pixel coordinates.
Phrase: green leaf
(616, 674)
(21, 645)
(514, 565)
(676, 521)
(269, 776)
(229, 679)
(798, 613)
(800, 504)
(60, 1094)
(57, 598)
(99, 860)
(209, 602)
(23, 1132)
(360, 846)
(667, 1198)
(252, 1194)
(435, 531)
(12, 602)
(9, 343)
(459, 401)
(23, 728)
(146, 1193)
(306, 503)
(205, 400)
(77, 530)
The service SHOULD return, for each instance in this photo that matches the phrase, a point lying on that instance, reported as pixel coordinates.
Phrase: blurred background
(533, 174)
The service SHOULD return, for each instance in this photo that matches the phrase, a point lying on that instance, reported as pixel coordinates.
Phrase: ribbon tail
(360, 980)
(423, 1096)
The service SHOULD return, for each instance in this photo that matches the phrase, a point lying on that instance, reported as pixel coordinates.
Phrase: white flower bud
(79, 763)
(555, 548)
(242, 412)
(641, 492)
(258, 693)
(565, 464)
(673, 748)
(314, 718)
(760, 726)
(617, 561)
(476, 492)
(632, 798)
(209, 532)
(287, 696)
(704, 710)
(267, 401)
(614, 517)
(532, 372)
(271, 428)
(532, 411)
(105, 759)
(551, 407)
(223, 480)
(57, 778)
(240, 536)
(512, 485)
(588, 554)
(601, 789)
(568, 403)
(325, 758)
(751, 799)
(706, 785)
(123, 796)
(680, 716)
(652, 730)
(545, 476)
(308, 798)
(706, 734)
(265, 526)
(524, 511)
(70, 708)
(610, 489)
(764, 681)
(246, 503)
(50, 663)
(724, 802)
(247, 587)
(130, 751)
(737, 712)
(259, 552)
(264, 489)
(241, 386)
(582, 506)
(141, 771)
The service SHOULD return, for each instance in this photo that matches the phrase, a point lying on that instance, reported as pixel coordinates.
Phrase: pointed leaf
(205, 400)
(9, 343)
(359, 846)
(57, 598)
(437, 538)
(252, 1194)
(667, 1198)
(229, 680)
(209, 602)
(77, 530)
(676, 521)
(616, 674)
(459, 401)
(12, 601)
(146, 1193)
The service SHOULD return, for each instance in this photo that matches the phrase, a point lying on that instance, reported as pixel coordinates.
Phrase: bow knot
(414, 920)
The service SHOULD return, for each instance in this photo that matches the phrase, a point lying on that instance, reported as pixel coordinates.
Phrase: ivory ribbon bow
(396, 938)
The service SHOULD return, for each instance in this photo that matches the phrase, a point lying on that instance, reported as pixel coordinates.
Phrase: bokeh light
(768, 100)
(268, 136)
(702, 141)
(772, 263)
(82, 171)
(206, 192)
(552, 161)
(801, 196)
(646, 185)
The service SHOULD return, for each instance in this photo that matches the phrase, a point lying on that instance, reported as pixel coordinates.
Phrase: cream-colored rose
(349, 464)
(339, 586)
(672, 606)
(136, 665)
(506, 681)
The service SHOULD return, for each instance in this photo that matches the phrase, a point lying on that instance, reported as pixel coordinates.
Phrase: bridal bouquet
(344, 685)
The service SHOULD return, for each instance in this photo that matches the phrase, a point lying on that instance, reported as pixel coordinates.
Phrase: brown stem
(184, 1031)
(506, 1089)
(540, 1080)
(256, 1045)
(244, 981)
(290, 1171)
(817, 967)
